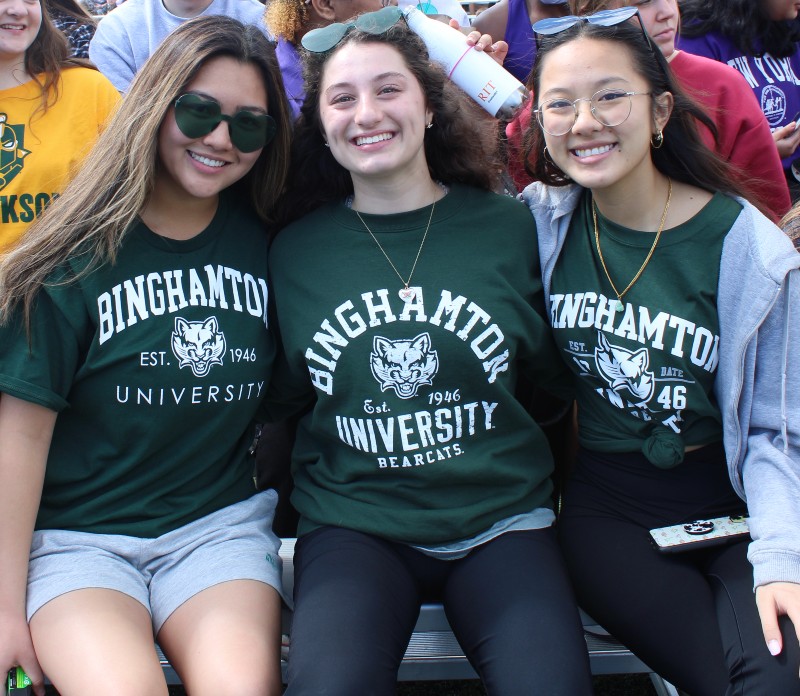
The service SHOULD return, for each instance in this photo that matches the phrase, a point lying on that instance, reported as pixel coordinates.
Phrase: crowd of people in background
(220, 213)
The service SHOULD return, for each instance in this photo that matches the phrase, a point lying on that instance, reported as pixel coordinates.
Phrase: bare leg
(226, 640)
(97, 641)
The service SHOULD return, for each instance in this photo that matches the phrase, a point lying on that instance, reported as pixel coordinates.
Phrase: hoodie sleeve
(771, 466)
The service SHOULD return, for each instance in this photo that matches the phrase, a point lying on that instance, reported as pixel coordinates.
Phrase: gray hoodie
(758, 377)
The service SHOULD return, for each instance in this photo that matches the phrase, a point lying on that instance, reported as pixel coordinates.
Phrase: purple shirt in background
(774, 81)
(520, 40)
(292, 73)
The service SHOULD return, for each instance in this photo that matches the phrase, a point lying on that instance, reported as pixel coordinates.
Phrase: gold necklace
(619, 306)
(406, 293)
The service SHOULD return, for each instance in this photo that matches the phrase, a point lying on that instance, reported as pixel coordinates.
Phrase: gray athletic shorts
(235, 543)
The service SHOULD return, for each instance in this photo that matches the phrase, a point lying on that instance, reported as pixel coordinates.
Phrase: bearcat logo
(404, 365)
(198, 344)
(11, 151)
(625, 369)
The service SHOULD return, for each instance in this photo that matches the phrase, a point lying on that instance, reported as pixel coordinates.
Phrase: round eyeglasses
(610, 107)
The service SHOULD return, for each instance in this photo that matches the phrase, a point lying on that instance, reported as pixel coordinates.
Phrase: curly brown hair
(286, 18)
(461, 147)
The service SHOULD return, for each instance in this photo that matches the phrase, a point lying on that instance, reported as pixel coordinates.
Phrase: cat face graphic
(625, 369)
(403, 365)
(198, 344)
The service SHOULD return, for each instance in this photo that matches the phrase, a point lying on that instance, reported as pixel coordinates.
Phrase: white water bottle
(488, 83)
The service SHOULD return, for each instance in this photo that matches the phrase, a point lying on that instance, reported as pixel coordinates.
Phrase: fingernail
(774, 647)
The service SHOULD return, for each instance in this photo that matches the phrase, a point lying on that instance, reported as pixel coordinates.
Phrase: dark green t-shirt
(156, 366)
(648, 369)
(415, 434)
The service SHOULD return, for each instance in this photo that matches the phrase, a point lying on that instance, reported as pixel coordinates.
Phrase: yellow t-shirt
(40, 151)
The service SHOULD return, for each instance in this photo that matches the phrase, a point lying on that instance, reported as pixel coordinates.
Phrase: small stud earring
(429, 126)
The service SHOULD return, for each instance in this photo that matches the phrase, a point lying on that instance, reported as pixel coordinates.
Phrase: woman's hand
(483, 42)
(773, 600)
(16, 650)
(786, 139)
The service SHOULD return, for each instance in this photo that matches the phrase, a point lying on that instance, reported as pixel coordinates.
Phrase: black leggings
(690, 616)
(509, 603)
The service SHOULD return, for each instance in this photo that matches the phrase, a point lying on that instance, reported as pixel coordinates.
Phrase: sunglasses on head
(325, 38)
(249, 130)
(604, 18)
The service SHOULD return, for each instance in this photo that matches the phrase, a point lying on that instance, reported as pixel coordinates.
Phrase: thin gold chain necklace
(619, 306)
(406, 293)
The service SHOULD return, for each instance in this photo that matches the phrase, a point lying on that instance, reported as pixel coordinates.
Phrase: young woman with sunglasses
(133, 356)
(52, 108)
(761, 39)
(409, 303)
(743, 136)
(674, 303)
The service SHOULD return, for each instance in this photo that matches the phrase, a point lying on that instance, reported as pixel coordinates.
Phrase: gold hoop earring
(657, 140)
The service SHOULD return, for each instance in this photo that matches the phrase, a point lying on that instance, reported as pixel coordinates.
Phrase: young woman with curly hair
(408, 296)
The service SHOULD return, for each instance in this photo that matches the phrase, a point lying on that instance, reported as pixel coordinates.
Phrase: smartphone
(796, 119)
(700, 533)
(18, 683)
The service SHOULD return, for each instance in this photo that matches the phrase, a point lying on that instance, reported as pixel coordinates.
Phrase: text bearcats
(587, 310)
(170, 291)
(421, 458)
(210, 394)
(413, 431)
(466, 319)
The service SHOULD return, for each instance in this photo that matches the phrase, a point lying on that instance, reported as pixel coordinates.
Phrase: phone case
(698, 534)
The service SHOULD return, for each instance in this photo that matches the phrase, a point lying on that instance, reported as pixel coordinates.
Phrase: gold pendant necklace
(619, 306)
(405, 293)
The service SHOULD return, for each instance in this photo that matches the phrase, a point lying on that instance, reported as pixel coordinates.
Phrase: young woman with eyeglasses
(673, 302)
(742, 136)
(52, 108)
(134, 353)
(409, 303)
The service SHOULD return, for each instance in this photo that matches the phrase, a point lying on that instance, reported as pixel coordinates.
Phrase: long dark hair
(683, 156)
(744, 22)
(461, 147)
